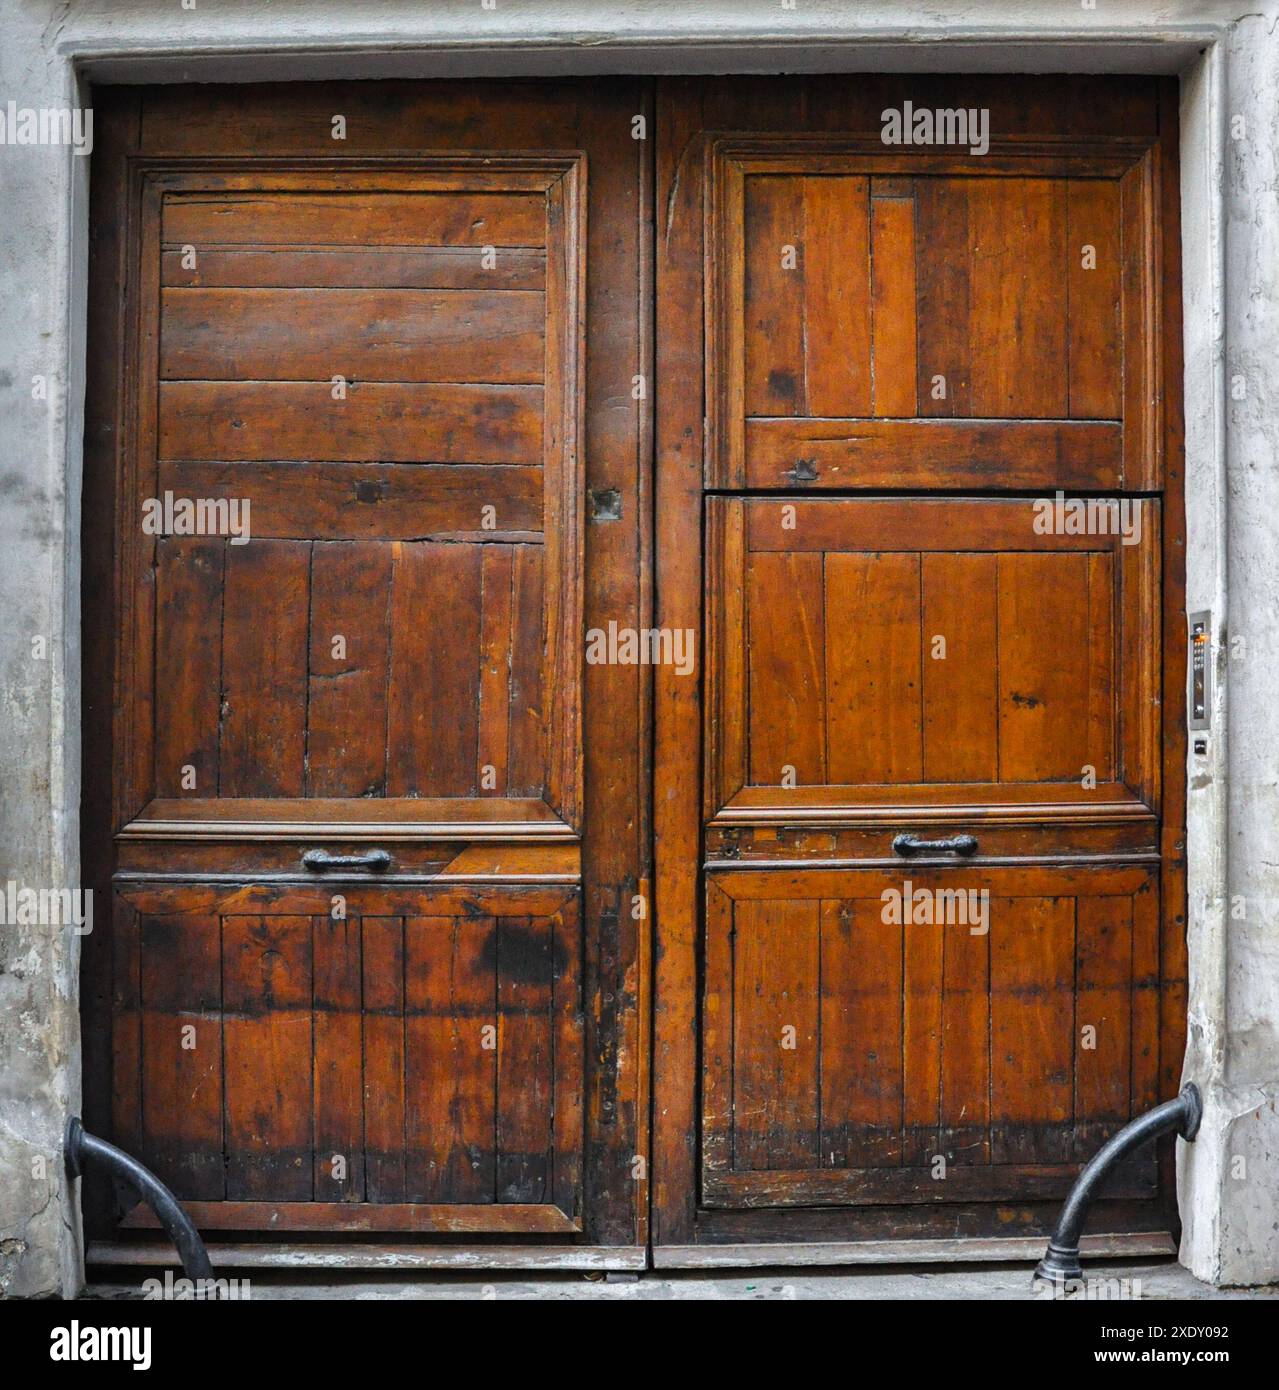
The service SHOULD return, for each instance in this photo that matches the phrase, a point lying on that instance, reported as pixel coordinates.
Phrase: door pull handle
(906, 845)
(317, 860)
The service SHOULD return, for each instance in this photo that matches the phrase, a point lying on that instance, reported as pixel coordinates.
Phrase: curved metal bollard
(80, 1145)
(1181, 1116)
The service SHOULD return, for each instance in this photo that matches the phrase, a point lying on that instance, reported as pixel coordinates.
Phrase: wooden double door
(633, 660)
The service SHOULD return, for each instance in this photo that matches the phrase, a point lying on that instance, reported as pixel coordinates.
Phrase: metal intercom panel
(1199, 691)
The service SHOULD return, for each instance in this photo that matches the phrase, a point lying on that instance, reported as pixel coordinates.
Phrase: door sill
(901, 1252)
(282, 1255)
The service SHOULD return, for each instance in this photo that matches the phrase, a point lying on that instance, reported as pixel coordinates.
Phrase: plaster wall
(1229, 1179)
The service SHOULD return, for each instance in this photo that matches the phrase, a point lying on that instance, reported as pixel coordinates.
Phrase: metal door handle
(954, 844)
(320, 859)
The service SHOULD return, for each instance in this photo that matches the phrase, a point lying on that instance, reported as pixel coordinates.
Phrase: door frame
(150, 50)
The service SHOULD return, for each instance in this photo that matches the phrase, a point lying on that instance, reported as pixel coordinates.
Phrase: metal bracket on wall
(1060, 1264)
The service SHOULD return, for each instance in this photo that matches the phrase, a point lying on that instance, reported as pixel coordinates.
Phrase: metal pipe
(1180, 1116)
(81, 1145)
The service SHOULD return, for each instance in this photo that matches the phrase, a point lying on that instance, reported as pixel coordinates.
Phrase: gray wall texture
(1228, 55)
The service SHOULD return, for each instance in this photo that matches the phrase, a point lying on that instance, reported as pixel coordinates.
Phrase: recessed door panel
(879, 654)
(926, 1035)
(366, 494)
(889, 320)
(301, 1059)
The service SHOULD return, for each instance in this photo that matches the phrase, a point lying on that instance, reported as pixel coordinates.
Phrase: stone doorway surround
(1227, 56)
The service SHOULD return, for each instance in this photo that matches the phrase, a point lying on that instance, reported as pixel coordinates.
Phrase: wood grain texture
(921, 644)
(842, 292)
(949, 1044)
(291, 1059)
(484, 339)
(893, 307)
(1035, 400)
(372, 219)
(375, 422)
(366, 335)
(1106, 370)
(399, 267)
(837, 306)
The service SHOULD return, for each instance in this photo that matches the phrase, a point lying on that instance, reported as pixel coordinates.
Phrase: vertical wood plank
(874, 687)
(569, 1046)
(836, 273)
(944, 304)
(126, 1026)
(861, 1035)
(264, 665)
(1102, 714)
(382, 940)
(1093, 297)
(1143, 445)
(346, 703)
(339, 1050)
(921, 1041)
(787, 677)
(960, 689)
(1043, 666)
(495, 668)
(451, 1058)
(182, 1082)
(775, 1042)
(1018, 299)
(433, 703)
(774, 299)
(965, 1048)
(893, 293)
(1032, 978)
(188, 664)
(726, 661)
(718, 1031)
(268, 1044)
(1141, 663)
(679, 422)
(1145, 996)
(1103, 1004)
(525, 1065)
(527, 736)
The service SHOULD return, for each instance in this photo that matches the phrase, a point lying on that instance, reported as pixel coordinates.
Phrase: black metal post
(81, 1145)
(1181, 1116)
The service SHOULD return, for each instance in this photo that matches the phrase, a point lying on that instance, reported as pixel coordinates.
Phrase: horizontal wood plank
(445, 218)
(876, 1186)
(383, 267)
(362, 335)
(368, 501)
(933, 453)
(420, 1218)
(374, 422)
(884, 525)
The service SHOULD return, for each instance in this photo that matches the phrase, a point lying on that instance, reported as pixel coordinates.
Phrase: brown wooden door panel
(862, 247)
(391, 479)
(939, 386)
(341, 664)
(857, 1051)
(398, 357)
(880, 655)
(345, 1057)
(874, 318)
